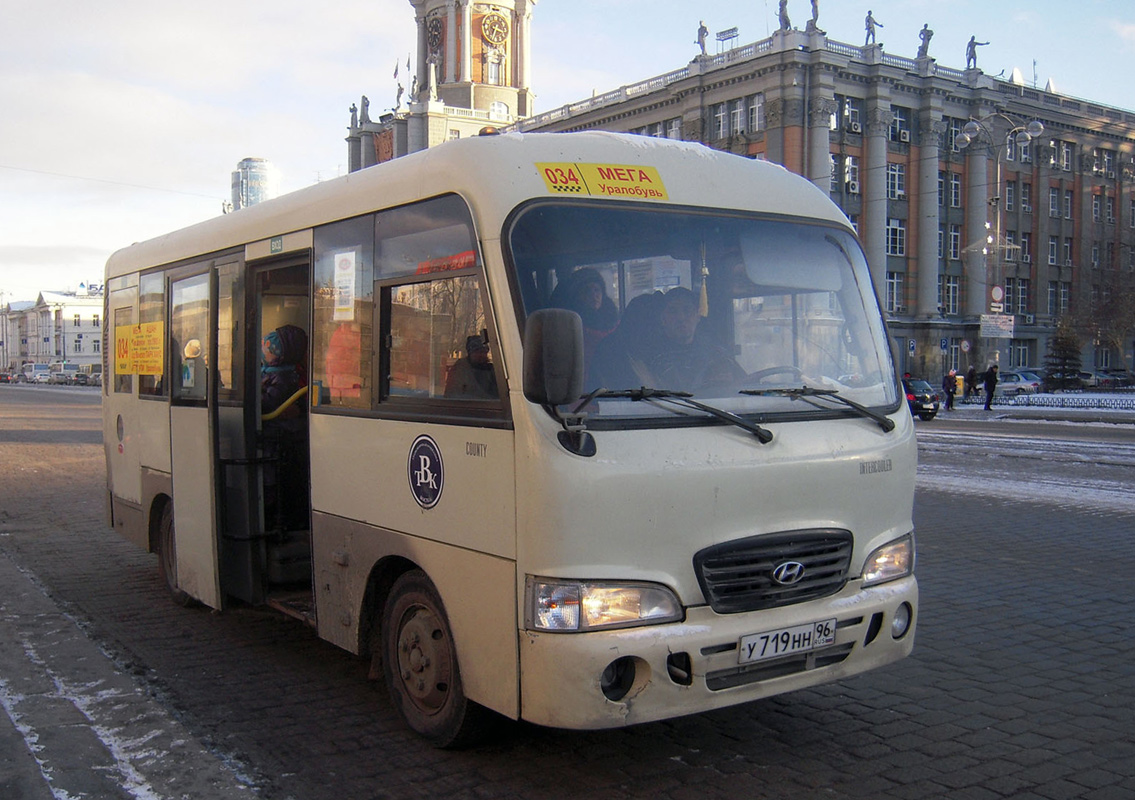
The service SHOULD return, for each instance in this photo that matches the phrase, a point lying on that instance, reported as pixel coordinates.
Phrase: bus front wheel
(420, 665)
(167, 556)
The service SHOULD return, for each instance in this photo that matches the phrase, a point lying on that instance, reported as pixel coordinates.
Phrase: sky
(122, 121)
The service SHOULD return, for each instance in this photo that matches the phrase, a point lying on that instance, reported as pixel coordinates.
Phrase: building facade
(978, 244)
(59, 327)
(471, 72)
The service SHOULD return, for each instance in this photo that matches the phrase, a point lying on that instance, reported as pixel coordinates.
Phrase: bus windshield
(741, 311)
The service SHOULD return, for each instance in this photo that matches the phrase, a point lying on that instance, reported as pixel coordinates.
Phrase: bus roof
(496, 173)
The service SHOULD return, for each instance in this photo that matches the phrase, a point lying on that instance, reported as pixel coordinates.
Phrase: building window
(1066, 156)
(1053, 297)
(955, 190)
(1026, 247)
(95, 320)
(756, 113)
(1022, 295)
(1095, 208)
(1053, 246)
(854, 219)
(1053, 202)
(1068, 204)
(1010, 195)
(894, 299)
(737, 118)
(851, 173)
(896, 237)
(1027, 198)
(78, 320)
(953, 130)
(951, 294)
(720, 120)
(1110, 209)
(955, 242)
(674, 129)
(833, 177)
(454, 133)
(942, 188)
(941, 241)
(1011, 245)
(1067, 252)
(1095, 255)
(1010, 289)
(896, 181)
(900, 124)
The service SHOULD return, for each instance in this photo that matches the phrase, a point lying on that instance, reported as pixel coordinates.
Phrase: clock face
(494, 27)
(433, 34)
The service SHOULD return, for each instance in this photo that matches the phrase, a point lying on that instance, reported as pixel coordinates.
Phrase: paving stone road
(1022, 683)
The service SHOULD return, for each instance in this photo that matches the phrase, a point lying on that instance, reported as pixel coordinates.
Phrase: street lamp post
(1016, 135)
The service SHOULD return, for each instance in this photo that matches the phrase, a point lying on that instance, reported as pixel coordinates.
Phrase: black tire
(167, 557)
(926, 417)
(419, 662)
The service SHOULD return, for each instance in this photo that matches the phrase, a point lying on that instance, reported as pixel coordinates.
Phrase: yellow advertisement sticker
(603, 180)
(139, 349)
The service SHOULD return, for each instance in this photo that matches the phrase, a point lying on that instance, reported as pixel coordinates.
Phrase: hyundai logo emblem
(788, 573)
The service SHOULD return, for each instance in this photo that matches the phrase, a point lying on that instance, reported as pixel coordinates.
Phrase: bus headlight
(891, 561)
(568, 606)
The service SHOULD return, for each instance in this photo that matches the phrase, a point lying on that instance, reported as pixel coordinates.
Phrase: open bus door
(192, 437)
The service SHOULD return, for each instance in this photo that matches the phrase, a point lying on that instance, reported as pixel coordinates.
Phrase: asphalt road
(1022, 682)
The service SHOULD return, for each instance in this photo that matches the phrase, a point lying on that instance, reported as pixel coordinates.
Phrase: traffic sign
(944, 344)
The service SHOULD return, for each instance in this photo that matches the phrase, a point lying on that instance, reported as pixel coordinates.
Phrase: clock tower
(475, 55)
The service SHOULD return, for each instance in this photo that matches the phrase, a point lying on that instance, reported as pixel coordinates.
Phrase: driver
(682, 358)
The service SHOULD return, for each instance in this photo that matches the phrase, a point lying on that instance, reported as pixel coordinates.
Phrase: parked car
(1062, 380)
(1118, 376)
(1011, 383)
(81, 379)
(5, 377)
(921, 398)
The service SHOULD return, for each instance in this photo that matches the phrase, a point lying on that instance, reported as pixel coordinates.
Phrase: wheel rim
(424, 659)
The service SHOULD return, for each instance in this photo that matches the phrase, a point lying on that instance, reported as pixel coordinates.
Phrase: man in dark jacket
(990, 385)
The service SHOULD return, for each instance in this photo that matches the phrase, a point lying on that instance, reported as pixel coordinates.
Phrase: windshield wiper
(806, 393)
(683, 400)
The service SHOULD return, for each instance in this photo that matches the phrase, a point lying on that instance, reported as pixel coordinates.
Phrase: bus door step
(298, 605)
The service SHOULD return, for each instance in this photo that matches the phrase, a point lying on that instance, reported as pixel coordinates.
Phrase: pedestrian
(950, 388)
(970, 382)
(990, 385)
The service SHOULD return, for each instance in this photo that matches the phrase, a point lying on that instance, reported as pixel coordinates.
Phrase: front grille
(738, 576)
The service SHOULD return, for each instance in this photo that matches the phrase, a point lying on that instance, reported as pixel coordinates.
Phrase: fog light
(900, 623)
(618, 678)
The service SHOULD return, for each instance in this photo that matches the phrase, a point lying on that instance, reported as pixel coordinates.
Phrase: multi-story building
(253, 181)
(1014, 222)
(57, 327)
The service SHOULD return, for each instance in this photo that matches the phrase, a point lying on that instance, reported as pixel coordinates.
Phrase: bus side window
(439, 343)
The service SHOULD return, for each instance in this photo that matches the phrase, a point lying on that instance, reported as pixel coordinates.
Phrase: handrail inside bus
(284, 406)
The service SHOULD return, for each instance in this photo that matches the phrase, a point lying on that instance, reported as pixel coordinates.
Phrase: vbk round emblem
(425, 471)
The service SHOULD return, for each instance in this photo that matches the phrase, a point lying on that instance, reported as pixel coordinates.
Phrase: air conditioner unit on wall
(1027, 258)
(1111, 175)
(904, 136)
(855, 127)
(1028, 319)
(853, 187)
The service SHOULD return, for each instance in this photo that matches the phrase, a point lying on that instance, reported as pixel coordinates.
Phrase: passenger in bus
(282, 375)
(285, 437)
(473, 377)
(585, 293)
(620, 359)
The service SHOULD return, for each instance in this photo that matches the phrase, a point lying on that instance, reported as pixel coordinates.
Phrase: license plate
(786, 641)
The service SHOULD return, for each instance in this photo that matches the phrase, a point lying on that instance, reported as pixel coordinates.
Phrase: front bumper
(692, 666)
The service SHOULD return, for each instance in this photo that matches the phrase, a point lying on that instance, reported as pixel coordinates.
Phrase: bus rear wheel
(420, 665)
(166, 548)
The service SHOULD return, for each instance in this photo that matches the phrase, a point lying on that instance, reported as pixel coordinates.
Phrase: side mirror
(553, 357)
